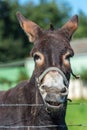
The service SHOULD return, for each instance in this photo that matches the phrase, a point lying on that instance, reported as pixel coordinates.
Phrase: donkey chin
(53, 90)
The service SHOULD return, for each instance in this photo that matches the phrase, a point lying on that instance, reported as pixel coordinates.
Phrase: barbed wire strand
(21, 105)
(39, 105)
(34, 105)
(78, 103)
(46, 126)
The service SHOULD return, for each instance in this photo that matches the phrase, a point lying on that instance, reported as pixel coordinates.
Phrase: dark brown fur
(53, 45)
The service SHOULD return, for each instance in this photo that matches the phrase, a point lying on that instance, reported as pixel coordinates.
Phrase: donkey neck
(40, 112)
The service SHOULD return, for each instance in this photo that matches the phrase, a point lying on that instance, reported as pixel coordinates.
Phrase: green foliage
(5, 81)
(47, 13)
(22, 76)
(82, 30)
(13, 42)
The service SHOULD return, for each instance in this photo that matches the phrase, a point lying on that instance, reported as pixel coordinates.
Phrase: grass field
(77, 114)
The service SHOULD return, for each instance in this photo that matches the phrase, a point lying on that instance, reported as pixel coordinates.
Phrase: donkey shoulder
(14, 93)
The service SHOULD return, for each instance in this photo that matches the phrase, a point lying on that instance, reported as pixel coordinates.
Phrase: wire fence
(45, 126)
(38, 126)
(37, 105)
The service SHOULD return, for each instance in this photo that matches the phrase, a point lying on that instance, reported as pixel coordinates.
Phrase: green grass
(77, 114)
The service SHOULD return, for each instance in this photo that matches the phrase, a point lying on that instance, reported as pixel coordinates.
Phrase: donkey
(40, 103)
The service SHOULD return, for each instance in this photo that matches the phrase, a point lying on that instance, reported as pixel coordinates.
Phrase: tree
(13, 42)
(82, 30)
(12, 39)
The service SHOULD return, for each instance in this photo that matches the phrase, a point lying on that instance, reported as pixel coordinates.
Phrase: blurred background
(15, 61)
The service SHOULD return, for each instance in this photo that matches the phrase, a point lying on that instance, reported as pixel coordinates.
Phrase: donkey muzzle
(53, 87)
(54, 97)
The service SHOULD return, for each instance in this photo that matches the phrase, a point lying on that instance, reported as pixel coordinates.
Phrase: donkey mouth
(53, 97)
(54, 100)
(53, 104)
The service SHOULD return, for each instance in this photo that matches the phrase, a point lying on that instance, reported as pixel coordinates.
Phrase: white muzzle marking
(53, 86)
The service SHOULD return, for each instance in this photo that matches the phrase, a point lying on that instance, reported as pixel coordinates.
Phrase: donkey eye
(36, 57)
(68, 57)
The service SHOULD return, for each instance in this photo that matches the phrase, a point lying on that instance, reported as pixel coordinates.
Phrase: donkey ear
(71, 26)
(31, 29)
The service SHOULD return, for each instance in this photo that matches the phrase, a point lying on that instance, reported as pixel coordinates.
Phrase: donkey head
(51, 53)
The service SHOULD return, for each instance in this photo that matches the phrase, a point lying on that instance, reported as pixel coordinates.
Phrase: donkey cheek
(66, 64)
(40, 63)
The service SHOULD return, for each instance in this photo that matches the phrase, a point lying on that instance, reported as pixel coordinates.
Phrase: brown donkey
(41, 103)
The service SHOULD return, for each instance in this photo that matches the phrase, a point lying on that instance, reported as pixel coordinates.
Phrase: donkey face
(51, 53)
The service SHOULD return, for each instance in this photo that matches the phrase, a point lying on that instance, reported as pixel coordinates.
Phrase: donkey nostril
(43, 87)
(63, 90)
